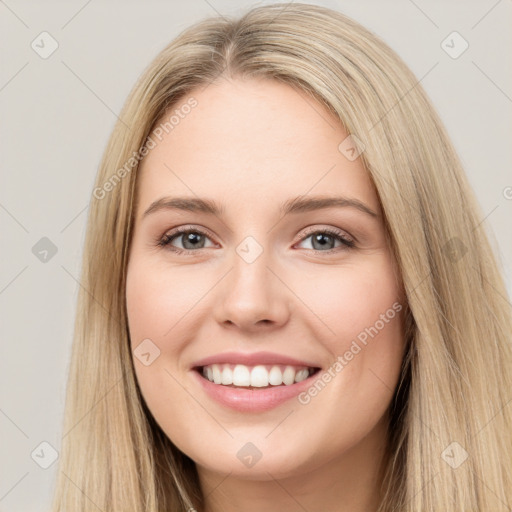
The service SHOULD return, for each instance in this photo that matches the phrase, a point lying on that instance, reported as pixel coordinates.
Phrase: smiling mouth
(255, 377)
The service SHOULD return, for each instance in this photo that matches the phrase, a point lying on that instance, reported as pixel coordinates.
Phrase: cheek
(162, 306)
(351, 299)
(158, 299)
(360, 308)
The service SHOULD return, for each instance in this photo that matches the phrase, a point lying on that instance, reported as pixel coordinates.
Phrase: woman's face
(290, 278)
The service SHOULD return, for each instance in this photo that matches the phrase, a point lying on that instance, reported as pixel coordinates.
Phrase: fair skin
(250, 146)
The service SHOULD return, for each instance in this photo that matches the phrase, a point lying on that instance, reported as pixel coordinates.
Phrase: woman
(288, 301)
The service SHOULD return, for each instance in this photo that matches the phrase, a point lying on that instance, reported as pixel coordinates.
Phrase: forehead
(248, 141)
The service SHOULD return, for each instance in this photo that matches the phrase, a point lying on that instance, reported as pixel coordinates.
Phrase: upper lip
(253, 359)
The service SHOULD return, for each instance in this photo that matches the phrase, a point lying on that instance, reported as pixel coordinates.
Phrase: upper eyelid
(185, 229)
(336, 231)
(182, 230)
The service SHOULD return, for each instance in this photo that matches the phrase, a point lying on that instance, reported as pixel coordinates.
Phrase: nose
(252, 297)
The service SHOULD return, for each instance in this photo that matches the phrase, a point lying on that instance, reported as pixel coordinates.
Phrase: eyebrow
(296, 205)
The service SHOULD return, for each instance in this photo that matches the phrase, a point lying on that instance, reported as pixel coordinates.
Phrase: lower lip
(253, 400)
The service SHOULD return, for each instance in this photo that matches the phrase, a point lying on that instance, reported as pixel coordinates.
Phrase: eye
(191, 239)
(194, 239)
(324, 240)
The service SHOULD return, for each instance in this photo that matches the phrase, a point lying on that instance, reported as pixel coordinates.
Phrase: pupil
(318, 238)
(191, 238)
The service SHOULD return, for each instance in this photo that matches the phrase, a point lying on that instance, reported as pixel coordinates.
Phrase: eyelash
(166, 240)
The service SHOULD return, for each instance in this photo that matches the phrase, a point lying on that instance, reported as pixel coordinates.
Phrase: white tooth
(209, 373)
(241, 376)
(289, 375)
(301, 375)
(259, 377)
(217, 378)
(275, 376)
(227, 375)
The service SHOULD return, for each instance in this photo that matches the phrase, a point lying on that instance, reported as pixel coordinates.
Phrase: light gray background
(57, 114)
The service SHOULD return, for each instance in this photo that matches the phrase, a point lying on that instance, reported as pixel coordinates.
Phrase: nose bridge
(251, 293)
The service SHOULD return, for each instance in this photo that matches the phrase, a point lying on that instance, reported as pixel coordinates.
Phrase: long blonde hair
(450, 431)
